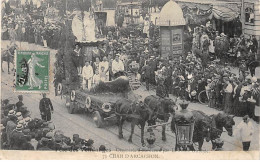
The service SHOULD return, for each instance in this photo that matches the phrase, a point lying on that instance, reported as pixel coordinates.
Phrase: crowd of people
(203, 68)
(28, 25)
(20, 131)
(26, 29)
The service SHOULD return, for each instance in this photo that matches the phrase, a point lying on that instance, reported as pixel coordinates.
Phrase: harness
(213, 127)
(130, 112)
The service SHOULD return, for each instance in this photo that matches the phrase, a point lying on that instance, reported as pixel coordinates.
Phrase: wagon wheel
(88, 105)
(98, 119)
(59, 89)
(202, 97)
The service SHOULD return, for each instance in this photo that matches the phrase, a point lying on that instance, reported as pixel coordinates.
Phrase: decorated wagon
(99, 101)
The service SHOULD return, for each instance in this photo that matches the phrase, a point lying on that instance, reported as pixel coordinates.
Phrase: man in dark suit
(160, 89)
(146, 72)
(19, 104)
(46, 108)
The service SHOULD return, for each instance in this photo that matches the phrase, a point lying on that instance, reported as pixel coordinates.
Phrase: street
(82, 124)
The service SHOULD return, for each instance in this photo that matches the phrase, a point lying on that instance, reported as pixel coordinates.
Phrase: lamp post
(171, 50)
(184, 126)
(243, 16)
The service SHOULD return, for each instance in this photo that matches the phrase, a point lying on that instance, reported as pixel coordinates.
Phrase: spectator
(11, 125)
(19, 104)
(46, 108)
(146, 73)
(244, 131)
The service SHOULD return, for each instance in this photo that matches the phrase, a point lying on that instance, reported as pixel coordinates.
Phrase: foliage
(119, 85)
(65, 69)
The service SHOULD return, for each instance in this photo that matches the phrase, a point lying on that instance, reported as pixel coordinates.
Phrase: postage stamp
(32, 71)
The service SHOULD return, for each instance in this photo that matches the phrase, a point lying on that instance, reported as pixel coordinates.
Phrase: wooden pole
(162, 124)
(171, 52)
(242, 19)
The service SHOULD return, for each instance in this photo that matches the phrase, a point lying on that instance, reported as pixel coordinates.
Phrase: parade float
(99, 100)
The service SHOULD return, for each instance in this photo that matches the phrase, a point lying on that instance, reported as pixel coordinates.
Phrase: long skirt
(236, 106)
(78, 61)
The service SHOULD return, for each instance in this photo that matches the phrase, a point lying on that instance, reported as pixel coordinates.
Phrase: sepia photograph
(130, 79)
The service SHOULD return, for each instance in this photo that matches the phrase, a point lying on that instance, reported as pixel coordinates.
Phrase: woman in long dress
(78, 59)
(34, 81)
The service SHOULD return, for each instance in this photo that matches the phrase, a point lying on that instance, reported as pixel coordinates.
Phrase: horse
(208, 127)
(218, 122)
(163, 109)
(7, 55)
(136, 112)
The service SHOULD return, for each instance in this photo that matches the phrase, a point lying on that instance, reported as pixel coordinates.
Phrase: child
(96, 78)
(103, 76)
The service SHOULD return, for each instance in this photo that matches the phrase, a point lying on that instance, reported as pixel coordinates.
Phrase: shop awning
(224, 13)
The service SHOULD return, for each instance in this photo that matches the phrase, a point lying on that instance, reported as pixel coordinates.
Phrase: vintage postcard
(130, 79)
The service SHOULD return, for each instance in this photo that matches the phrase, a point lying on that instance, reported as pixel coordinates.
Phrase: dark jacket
(161, 91)
(45, 105)
(146, 71)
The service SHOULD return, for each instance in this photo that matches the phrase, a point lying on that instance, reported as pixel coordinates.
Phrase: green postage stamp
(32, 71)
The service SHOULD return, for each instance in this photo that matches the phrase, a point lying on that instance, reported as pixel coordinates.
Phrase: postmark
(32, 71)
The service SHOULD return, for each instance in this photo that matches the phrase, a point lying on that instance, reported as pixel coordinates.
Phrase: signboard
(249, 13)
(171, 37)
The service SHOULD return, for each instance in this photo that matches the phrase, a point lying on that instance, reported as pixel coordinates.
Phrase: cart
(100, 105)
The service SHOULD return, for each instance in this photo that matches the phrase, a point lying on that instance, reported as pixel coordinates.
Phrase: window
(249, 13)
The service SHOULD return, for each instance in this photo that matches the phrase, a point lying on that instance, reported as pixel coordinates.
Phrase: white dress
(33, 81)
